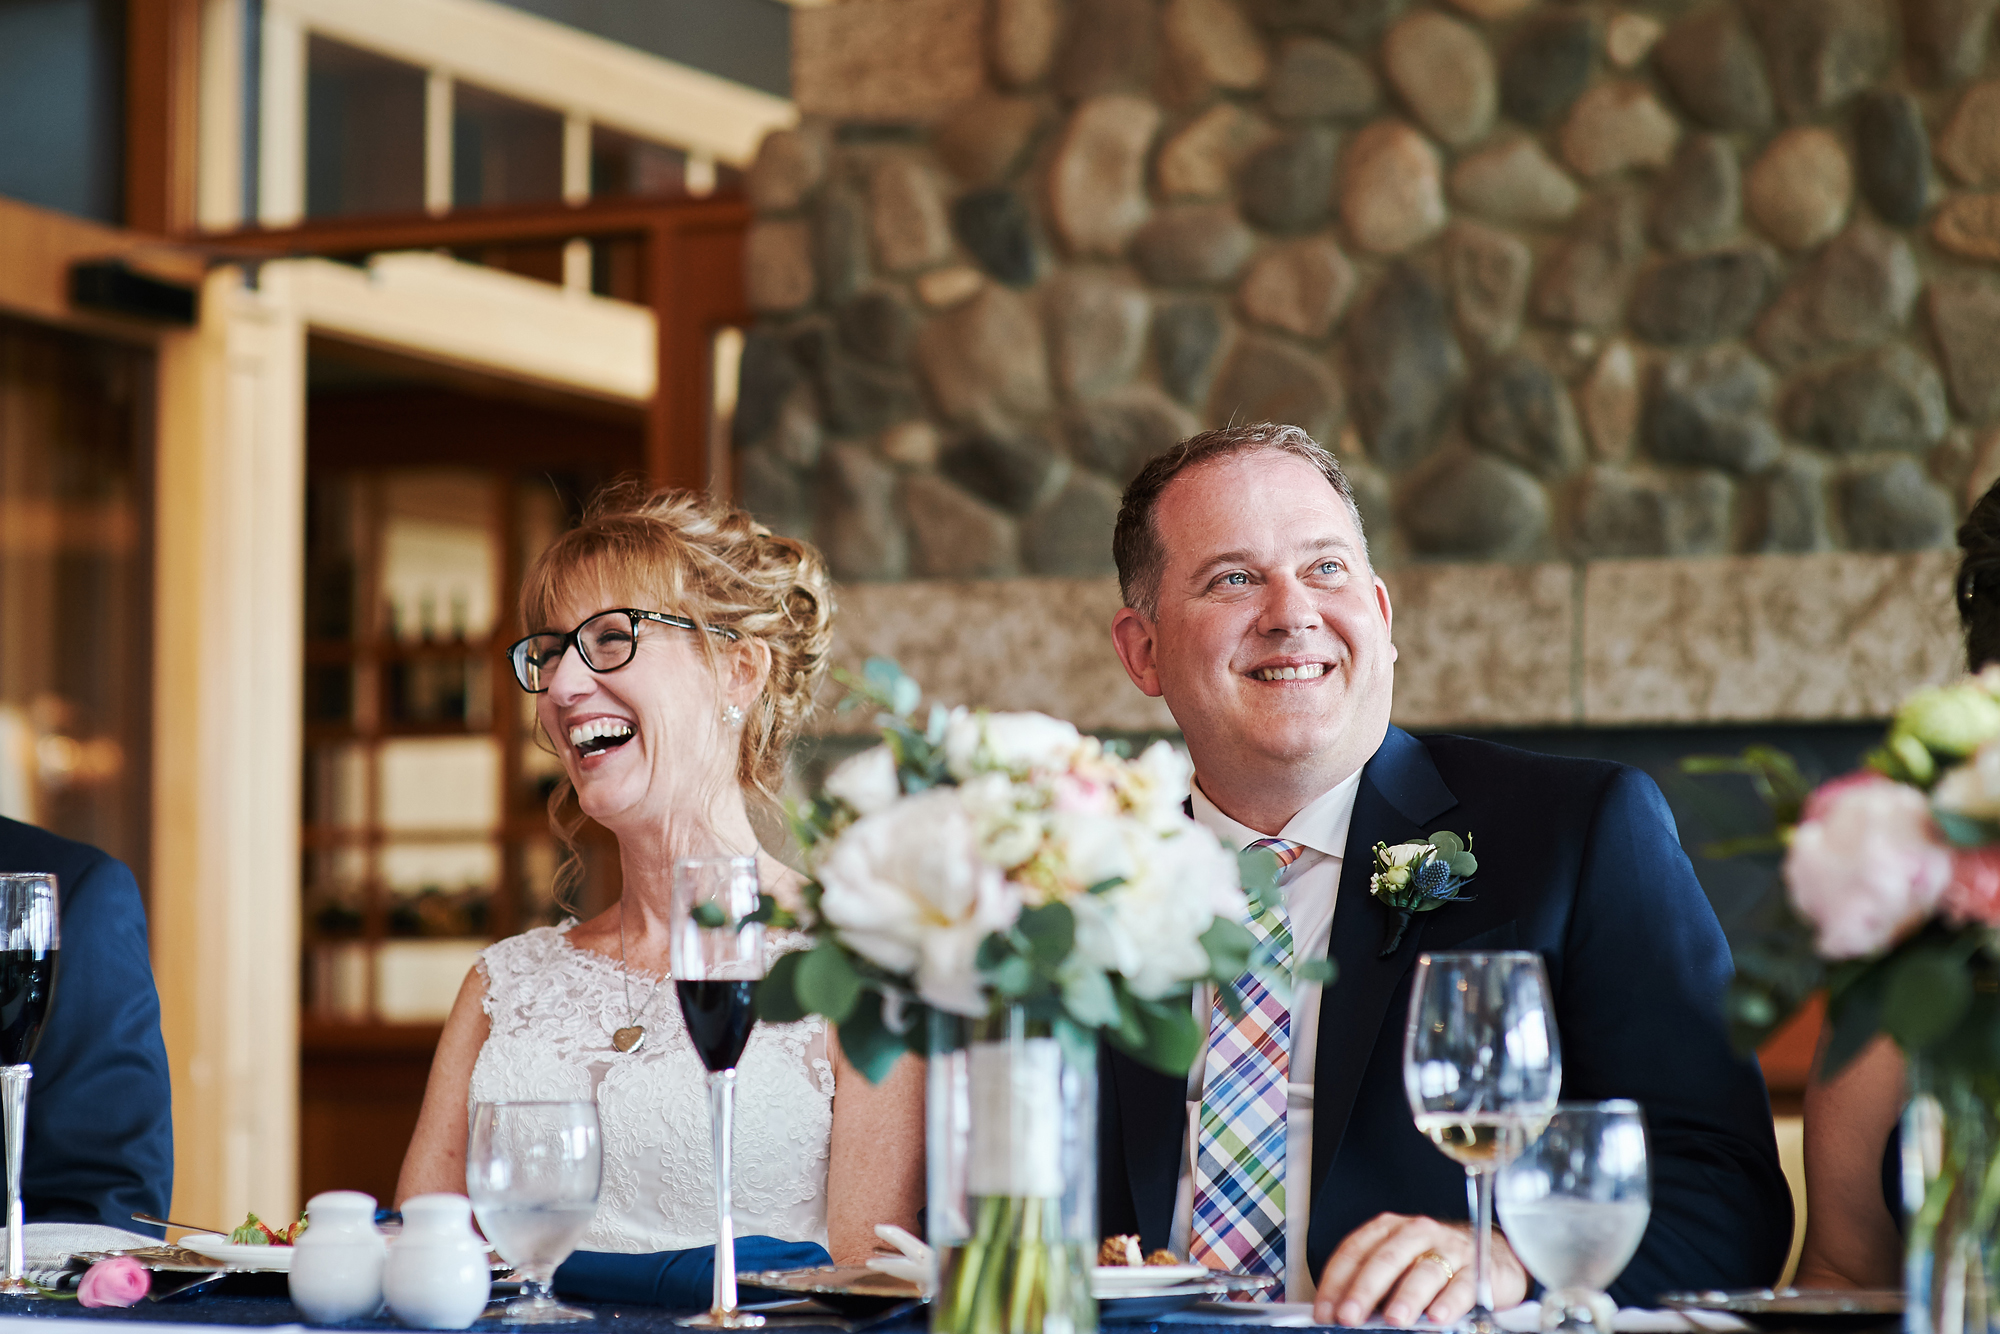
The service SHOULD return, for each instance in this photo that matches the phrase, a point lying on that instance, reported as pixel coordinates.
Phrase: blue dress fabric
(681, 1280)
(100, 1143)
(1579, 861)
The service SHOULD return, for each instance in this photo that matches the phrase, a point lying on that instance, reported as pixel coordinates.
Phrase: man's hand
(1408, 1267)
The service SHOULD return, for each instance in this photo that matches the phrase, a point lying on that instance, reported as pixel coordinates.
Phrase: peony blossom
(118, 1280)
(1866, 865)
(909, 892)
(1973, 896)
(1149, 929)
(1015, 743)
(1157, 786)
(867, 781)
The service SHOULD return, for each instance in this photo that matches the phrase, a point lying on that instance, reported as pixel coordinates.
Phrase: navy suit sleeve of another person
(1579, 862)
(100, 1140)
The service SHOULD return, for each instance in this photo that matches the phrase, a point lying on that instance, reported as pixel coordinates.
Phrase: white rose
(1090, 849)
(1149, 929)
(1402, 854)
(1160, 780)
(1016, 743)
(867, 781)
(908, 891)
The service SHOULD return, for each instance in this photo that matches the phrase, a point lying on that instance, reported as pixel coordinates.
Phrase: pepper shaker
(336, 1269)
(438, 1275)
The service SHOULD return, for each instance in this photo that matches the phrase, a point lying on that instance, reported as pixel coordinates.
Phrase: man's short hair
(1135, 544)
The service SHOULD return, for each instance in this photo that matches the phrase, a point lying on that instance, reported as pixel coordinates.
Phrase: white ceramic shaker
(337, 1265)
(438, 1276)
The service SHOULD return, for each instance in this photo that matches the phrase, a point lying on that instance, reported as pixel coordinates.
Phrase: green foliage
(869, 1043)
(710, 916)
(1927, 993)
(1456, 853)
(778, 993)
(1258, 869)
(1772, 773)
(827, 982)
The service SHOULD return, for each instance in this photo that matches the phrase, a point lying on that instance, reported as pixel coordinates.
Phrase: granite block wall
(1560, 280)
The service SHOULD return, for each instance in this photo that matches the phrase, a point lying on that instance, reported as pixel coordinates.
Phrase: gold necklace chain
(631, 1037)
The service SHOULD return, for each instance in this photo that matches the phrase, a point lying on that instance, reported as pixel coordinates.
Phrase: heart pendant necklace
(633, 1036)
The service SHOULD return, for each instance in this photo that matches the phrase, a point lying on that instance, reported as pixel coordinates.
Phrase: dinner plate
(267, 1259)
(1130, 1280)
(1829, 1309)
(844, 1289)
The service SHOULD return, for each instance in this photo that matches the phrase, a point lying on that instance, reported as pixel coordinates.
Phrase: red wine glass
(717, 957)
(33, 933)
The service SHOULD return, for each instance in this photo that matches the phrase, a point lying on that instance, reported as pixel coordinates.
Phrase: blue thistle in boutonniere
(1410, 878)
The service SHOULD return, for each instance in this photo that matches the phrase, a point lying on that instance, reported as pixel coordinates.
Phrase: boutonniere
(1410, 878)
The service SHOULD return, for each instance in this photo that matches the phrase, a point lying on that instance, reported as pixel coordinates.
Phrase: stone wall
(1560, 280)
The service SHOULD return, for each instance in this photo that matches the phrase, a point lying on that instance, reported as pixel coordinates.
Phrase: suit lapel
(1400, 793)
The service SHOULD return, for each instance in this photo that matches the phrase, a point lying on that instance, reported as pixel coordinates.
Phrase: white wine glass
(533, 1170)
(1483, 1068)
(717, 957)
(1575, 1205)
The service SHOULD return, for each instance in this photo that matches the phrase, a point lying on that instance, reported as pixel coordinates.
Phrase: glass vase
(1951, 1197)
(1012, 1198)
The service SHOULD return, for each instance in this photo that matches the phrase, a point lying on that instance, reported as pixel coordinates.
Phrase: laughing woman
(677, 646)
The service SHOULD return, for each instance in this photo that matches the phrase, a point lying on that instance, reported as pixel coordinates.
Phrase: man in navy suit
(1252, 609)
(100, 1143)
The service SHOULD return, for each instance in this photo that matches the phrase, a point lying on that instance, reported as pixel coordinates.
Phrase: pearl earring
(732, 714)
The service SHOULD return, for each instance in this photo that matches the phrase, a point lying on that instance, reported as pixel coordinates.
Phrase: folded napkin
(680, 1280)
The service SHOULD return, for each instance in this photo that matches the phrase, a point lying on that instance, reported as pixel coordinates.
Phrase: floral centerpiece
(1891, 905)
(994, 891)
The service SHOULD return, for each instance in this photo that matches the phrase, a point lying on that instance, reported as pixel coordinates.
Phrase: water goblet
(533, 1170)
(717, 958)
(1575, 1205)
(1482, 1067)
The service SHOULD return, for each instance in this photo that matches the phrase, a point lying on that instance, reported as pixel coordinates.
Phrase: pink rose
(1076, 794)
(1866, 865)
(1974, 892)
(118, 1281)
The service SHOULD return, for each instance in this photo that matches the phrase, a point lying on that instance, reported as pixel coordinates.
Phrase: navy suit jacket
(1579, 861)
(100, 1122)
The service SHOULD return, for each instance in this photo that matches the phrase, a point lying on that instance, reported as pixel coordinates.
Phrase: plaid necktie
(1239, 1172)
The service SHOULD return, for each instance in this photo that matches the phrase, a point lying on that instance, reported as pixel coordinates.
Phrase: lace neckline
(605, 961)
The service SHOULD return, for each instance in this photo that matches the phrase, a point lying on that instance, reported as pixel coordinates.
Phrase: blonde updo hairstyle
(690, 554)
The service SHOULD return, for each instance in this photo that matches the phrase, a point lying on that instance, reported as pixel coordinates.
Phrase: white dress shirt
(1311, 885)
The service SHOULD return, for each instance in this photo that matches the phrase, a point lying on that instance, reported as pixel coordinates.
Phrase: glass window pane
(440, 556)
(417, 980)
(439, 783)
(336, 786)
(335, 890)
(438, 688)
(621, 164)
(364, 132)
(503, 151)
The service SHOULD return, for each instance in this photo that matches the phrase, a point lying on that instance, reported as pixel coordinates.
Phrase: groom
(1251, 608)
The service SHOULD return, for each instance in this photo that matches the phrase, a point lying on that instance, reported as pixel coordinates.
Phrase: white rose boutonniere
(1410, 878)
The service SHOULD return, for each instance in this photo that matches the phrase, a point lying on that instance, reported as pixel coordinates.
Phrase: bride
(677, 647)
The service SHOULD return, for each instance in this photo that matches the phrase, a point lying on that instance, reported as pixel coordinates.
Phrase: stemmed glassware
(32, 930)
(1482, 1067)
(533, 1170)
(1575, 1206)
(717, 956)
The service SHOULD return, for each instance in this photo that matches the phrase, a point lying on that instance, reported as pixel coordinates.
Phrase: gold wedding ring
(1440, 1262)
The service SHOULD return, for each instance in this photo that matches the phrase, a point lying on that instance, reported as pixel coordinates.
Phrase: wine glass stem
(1479, 1185)
(14, 1101)
(721, 1114)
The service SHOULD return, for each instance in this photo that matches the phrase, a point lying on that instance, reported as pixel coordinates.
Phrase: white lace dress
(554, 1008)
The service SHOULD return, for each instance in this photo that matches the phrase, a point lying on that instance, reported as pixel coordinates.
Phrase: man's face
(1271, 639)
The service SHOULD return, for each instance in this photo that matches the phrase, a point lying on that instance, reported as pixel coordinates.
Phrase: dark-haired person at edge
(1252, 609)
(1854, 1229)
(100, 1144)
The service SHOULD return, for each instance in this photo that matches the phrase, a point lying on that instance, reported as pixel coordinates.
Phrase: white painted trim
(218, 191)
(473, 316)
(437, 142)
(556, 66)
(281, 142)
(576, 158)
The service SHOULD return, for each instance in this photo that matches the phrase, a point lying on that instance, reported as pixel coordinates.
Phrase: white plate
(1127, 1280)
(271, 1259)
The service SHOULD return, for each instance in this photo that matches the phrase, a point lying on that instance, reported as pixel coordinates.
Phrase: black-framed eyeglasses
(605, 642)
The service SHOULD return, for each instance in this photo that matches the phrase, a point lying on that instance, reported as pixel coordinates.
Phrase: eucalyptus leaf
(1089, 997)
(709, 915)
(1014, 977)
(1228, 944)
(1447, 843)
(1106, 885)
(1854, 1017)
(1927, 994)
(867, 1042)
(1079, 1041)
(1321, 970)
(1965, 831)
(777, 995)
(1259, 868)
(827, 983)
(1050, 931)
(1463, 865)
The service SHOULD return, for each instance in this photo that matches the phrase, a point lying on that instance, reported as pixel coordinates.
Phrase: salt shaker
(438, 1276)
(336, 1269)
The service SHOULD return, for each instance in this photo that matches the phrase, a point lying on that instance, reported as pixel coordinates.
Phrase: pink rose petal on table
(1866, 866)
(118, 1281)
